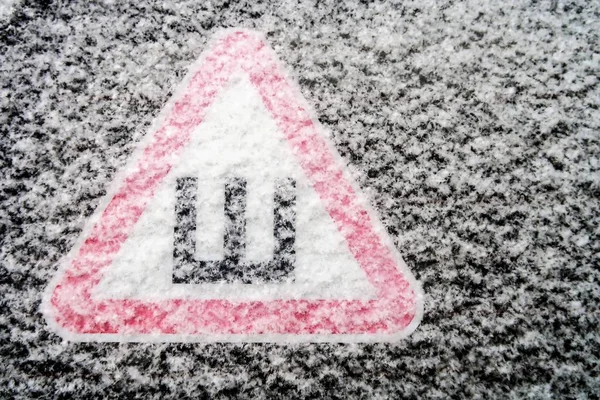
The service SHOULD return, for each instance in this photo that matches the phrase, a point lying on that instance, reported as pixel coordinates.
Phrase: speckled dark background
(473, 128)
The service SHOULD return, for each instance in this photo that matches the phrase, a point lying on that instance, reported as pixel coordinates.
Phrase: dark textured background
(473, 128)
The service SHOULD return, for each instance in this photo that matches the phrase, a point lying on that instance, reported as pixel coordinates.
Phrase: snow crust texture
(473, 127)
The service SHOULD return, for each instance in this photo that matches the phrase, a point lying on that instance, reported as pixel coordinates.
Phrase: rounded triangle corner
(419, 302)
(50, 314)
(419, 309)
(238, 31)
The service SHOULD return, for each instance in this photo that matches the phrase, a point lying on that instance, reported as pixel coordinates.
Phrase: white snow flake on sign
(234, 221)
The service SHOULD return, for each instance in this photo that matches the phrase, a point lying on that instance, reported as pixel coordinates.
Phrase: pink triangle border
(72, 311)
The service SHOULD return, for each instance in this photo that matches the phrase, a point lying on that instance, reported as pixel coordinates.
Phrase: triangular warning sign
(236, 220)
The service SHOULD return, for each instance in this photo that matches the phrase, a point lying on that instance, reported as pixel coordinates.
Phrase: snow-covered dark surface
(473, 128)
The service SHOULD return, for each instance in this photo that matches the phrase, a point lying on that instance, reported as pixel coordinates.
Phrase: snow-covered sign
(236, 220)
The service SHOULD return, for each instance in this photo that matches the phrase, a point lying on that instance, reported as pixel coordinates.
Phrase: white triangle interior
(238, 137)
